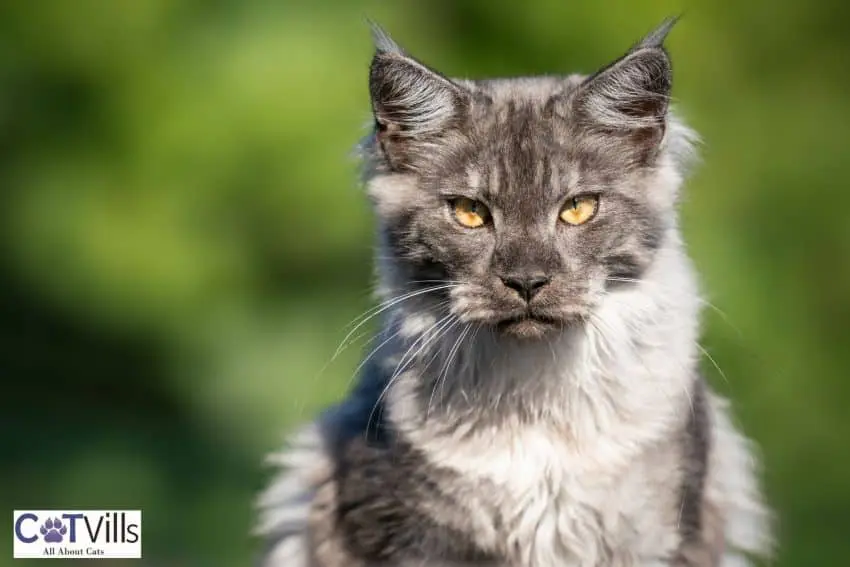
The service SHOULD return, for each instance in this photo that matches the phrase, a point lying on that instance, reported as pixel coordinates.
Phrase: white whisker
(443, 375)
(701, 300)
(714, 362)
(380, 308)
(440, 325)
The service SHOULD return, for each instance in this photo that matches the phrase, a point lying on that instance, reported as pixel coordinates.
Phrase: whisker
(443, 375)
(380, 346)
(472, 362)
(701, 300)
(714, 362)
(380, 308)
(390, 300)
(593, 320)
(439, 325)
(449, 320)
(370, 355)
(435, 281)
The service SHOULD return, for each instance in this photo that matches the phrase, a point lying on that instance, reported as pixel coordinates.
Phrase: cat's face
(531, 197)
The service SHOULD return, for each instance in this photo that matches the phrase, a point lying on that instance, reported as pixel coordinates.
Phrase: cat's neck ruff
(603, 390)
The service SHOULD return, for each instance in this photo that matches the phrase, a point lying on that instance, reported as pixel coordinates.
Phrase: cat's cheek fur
(393, 195)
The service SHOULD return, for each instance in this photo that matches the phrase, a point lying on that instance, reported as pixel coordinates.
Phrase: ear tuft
(656, 37)
(382, 40)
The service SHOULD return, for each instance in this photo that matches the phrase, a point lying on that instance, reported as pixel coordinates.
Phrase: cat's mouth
(529, 325)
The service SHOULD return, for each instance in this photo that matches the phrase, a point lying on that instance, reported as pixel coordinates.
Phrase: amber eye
(580, 209)
(470, 213)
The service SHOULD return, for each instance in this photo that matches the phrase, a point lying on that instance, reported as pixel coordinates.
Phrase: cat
(534, 398)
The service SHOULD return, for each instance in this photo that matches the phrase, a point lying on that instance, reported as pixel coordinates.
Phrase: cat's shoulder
(307, 465)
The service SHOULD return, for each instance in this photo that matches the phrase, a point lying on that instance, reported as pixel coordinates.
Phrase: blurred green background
(184, 239)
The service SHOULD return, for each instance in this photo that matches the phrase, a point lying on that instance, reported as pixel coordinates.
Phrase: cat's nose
(526, 286)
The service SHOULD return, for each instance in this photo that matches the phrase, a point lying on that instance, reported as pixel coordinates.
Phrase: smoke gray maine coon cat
(533, 398)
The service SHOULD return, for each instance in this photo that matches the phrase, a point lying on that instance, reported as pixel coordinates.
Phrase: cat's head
(529, 197)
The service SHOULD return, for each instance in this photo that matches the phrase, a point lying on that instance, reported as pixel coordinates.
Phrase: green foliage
(185, 239)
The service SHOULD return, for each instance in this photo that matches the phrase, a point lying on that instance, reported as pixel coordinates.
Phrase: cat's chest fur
(540, 503)
(591, 482)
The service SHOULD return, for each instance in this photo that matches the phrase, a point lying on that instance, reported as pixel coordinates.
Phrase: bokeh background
(184, 239)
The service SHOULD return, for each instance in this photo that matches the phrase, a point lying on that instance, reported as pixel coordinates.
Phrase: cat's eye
(470, 213)
(579, 210)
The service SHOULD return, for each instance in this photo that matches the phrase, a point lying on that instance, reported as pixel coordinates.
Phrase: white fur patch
(733, 485)
(285, 505)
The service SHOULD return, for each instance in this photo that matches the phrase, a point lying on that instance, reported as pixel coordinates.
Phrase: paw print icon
(53, 530)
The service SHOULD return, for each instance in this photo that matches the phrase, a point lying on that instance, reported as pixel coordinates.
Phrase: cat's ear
(412, 104)
(632, 94)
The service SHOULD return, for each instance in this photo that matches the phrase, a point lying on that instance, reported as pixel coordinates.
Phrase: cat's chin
(528, 328)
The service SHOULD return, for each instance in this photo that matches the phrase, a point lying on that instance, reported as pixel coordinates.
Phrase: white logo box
(77, 534)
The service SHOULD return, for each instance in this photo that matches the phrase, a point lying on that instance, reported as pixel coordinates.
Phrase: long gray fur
(569, 430)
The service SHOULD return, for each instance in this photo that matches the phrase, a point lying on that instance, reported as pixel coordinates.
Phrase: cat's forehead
(520, 91)
(513, 139)
(512, 118)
